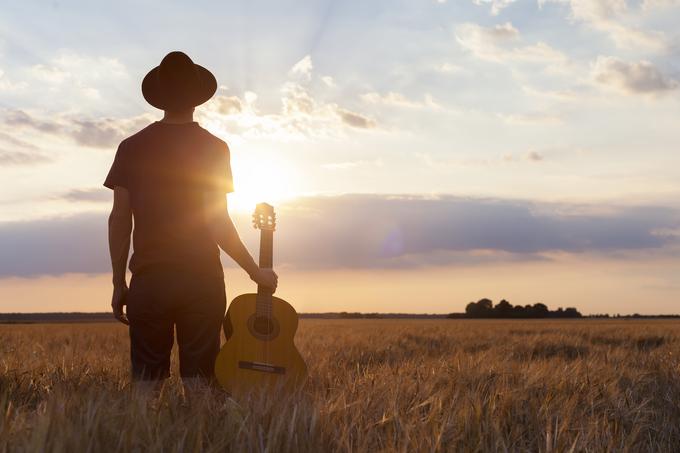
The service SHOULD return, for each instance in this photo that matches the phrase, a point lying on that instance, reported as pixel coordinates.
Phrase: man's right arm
(225, 234)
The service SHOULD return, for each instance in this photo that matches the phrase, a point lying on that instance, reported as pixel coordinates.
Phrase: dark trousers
(160, 301)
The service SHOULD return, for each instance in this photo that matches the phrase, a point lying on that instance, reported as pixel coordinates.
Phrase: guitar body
(259, 351)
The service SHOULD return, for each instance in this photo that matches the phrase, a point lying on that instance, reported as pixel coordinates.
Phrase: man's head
(178, 84)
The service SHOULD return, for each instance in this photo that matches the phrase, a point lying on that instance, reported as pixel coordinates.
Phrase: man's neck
(185, 116)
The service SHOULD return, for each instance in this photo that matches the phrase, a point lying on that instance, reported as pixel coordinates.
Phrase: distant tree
(471, 309)
(539, 310)
(518, 311)
(485, 304)
(503, 309)
(484, 308)
(572, 312)
(480, 309)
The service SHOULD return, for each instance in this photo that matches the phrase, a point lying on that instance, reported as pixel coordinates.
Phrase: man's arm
(120, 228)
(225, 234)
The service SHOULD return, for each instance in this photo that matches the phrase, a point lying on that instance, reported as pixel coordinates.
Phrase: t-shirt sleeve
(118, 174)
(220, 174)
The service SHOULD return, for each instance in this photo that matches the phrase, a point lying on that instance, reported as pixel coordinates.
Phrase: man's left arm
(120, 228)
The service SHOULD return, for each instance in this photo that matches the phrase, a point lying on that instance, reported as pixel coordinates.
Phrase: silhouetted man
(172, 177)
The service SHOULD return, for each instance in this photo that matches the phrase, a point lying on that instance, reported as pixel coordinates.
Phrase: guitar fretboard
(263, 305)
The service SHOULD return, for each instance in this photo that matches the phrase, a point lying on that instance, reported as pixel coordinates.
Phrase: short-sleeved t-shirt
(167, 168)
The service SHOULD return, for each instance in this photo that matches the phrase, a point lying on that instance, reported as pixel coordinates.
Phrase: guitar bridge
(261, 366)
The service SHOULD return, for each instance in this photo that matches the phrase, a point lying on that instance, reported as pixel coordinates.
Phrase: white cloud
(635, 78)
(486, 43)
(562, 95)
(328, 81)
(532, 118)
(612, 17)
(302, 115)
(497, 44)
(496, 5)
(72, 70)
(448, 68)
(399, 100)
(228, 105)
(303, 68)
(7, 85)
(654, 4)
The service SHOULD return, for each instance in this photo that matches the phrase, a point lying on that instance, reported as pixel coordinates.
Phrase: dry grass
(376, 385)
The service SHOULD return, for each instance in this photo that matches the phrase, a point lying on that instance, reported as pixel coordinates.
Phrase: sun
(258, 179)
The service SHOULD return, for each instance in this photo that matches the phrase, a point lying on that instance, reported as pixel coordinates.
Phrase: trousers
(163, 301)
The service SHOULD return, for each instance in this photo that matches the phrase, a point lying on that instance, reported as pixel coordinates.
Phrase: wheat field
(375, 385)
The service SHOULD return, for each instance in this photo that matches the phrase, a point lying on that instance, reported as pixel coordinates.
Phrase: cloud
(301, 116)
(531, 156)
(376, 231)
(496, 5)
(399, 100)
(55, 246)
(563, 95)
(16, 142)
(611, 17)
(355, 119)
(634, 78)
(23, 158)
(7, 85)
(656, 4)
(229, 105)
(532, 118)
(303, 68)
(328, 81)
(81, 76)
(15, 152)
(105, 132)
(498, 44)
(448, 68)
(96, 133)
(90, 195)
(534, 156)
(19, 118)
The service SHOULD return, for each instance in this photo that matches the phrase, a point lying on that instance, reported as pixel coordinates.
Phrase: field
(375, 385)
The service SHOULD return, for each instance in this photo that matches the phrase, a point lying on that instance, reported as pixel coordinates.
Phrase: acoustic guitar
(259, 328)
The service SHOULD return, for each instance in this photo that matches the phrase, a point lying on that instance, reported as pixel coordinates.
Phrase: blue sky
(553, 117)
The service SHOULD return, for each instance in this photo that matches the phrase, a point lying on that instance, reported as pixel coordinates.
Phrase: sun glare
(259, 180)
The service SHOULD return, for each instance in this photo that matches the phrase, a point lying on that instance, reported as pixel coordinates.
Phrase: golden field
(375, 385)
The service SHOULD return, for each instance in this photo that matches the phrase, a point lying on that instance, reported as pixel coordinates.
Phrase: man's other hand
(117, 303)
(266, 278)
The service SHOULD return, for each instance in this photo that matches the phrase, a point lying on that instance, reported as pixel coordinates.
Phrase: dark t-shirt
(167, 168)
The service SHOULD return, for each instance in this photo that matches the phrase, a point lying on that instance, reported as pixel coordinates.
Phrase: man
(172, 177)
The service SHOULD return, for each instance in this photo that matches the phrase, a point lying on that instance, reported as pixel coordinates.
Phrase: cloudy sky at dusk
(421, 154)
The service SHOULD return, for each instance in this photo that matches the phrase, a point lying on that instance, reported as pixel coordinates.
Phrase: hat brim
(180, 97)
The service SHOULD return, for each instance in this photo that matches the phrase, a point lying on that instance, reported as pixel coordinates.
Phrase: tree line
(485, 308)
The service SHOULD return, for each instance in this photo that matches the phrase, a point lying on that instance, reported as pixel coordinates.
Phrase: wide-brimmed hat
(178, 83)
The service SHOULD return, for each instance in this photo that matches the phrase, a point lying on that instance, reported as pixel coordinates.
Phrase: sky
(421, 154)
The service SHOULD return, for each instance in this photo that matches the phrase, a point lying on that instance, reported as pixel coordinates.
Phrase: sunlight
(261, 179)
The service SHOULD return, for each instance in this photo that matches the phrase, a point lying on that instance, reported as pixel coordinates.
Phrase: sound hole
(263, 328)
(263, 325)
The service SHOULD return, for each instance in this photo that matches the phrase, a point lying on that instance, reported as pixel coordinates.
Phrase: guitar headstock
(264, 217)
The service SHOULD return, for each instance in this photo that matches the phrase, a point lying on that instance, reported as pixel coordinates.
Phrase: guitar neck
(266, 249)
(264, 294)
